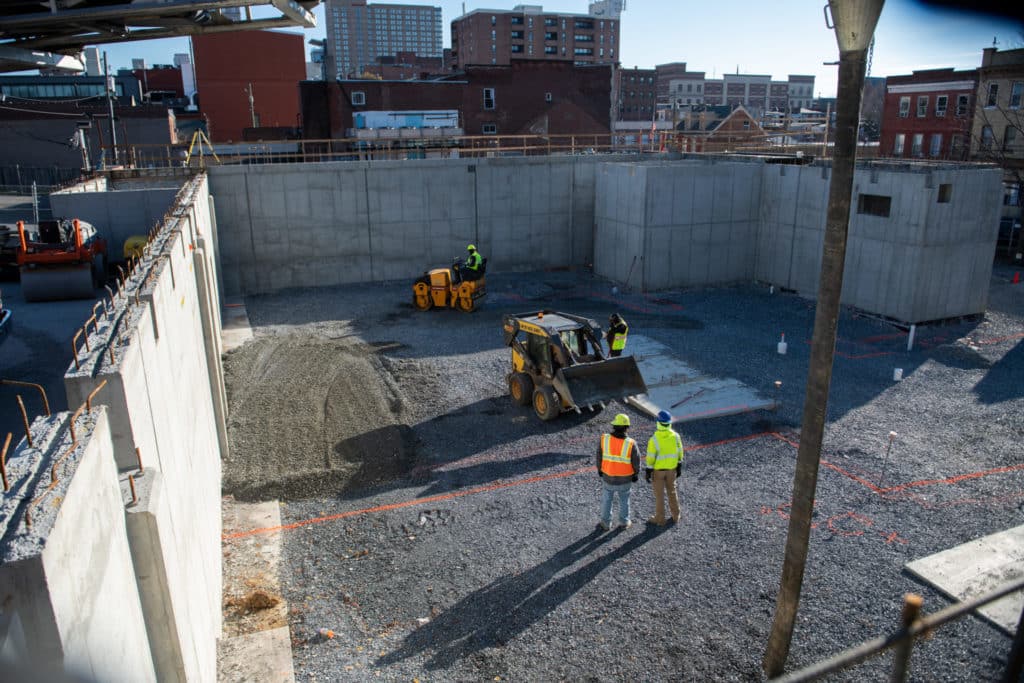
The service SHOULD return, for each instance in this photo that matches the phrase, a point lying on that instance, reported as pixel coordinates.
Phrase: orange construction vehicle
(65, 259)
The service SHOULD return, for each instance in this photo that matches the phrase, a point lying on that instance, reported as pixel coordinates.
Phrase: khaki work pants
(664, 481)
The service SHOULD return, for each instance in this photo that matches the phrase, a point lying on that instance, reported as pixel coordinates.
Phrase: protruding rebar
(74, 349)
(37, 387)
(135, 496)
(901, 655)
(24, 419)
(92, 395)
(110, 351)
(138, 456)
(3, 461)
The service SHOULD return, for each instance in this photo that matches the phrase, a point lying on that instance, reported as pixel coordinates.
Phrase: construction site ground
(443, 533)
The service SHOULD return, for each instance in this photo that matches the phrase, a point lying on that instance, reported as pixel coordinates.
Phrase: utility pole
(854, 24)
(252, 107)
(109, 87)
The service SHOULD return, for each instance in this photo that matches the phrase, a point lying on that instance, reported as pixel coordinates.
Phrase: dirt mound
(312, 416)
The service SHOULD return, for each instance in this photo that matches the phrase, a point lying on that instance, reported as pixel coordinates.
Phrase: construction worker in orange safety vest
(664, 464)
(618, 465)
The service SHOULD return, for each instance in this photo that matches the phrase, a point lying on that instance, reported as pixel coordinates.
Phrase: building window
(962, 102)
(583, 38)
(488, 98)
(956, 147)
(941, 102)
(945, 193)
(916, 145)
(550, 50)
(550, 21)
(986, 137)
(746, 125)
(358, 98)
(517, 21)
(551, 35)
(1016, 91)
(584, 23)
(1009, 138)
(874, 204)
(922, 106)
(517, 48)
(904, 107)
(490, 129)
(583, 51)
(993, 94)
(600, 52)
(936, 146)
(547, 97)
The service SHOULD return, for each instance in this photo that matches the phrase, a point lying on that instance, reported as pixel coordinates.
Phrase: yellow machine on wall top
(444, 288)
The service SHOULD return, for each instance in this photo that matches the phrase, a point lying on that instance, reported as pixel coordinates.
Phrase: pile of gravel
(483, 561)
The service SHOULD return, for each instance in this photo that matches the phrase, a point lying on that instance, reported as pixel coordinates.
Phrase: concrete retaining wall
(117, 214)
(308, 225)
(712, 222)
(67, 581)
(164, 386)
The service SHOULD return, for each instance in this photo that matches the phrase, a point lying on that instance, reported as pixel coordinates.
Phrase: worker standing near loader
(616, 335)
(618, 465)
(664, 465)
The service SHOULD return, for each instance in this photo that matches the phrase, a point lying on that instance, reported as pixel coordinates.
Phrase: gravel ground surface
(446, 534)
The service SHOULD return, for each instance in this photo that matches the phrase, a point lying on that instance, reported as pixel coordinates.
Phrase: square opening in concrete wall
(945, 193)
(874, 204)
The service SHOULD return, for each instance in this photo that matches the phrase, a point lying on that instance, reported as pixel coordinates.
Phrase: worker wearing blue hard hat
(664, 466)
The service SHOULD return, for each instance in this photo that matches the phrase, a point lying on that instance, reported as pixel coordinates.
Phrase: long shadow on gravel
(498, 612)
(488, 472)
(1005, 379)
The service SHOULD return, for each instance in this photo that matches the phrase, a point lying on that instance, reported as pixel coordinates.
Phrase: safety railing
(402, 144)
(913, 626)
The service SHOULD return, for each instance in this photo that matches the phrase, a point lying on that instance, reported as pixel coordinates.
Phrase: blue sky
(775, 38)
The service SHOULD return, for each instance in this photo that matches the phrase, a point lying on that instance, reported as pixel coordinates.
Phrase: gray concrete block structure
(70, 598)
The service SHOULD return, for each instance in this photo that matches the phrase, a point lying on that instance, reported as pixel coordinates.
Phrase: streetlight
(854, 24)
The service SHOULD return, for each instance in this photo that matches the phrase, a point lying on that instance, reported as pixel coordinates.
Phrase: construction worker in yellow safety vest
(664, 465)
(616, 335)
(618, 465)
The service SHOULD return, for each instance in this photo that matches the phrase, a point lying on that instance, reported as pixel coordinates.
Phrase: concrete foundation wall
(307, 225)
(711, 221)
(151, 349)
(67, 580)
(117, 214)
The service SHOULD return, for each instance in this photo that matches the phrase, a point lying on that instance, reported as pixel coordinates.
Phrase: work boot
(655, 522)
(625, 525)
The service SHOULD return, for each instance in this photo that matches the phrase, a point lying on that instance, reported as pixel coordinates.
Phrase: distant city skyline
(752, 38)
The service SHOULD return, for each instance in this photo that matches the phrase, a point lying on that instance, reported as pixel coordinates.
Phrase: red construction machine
(64, 259)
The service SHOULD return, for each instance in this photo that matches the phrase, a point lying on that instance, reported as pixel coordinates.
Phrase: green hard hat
(621, 420)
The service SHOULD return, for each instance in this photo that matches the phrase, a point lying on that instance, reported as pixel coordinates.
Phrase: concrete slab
(976, 567)
(236, 330)
(675, 386)
(264, 656)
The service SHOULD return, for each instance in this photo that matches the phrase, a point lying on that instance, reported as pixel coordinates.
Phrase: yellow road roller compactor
(558, 364)
(445, 288)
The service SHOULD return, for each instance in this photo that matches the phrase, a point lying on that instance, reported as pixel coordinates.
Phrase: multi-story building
(997, 133)
(406, 65)
(528, 97)
(637, 95)
(359, 33)
(264, 94)
(928, 114)
(496, 37)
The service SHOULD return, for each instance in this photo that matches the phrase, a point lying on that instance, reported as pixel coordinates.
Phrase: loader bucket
(592, 383)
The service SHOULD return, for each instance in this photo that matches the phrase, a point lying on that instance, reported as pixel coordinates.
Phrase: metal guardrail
(911, 628)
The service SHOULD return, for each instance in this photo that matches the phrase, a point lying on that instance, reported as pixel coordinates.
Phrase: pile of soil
(313, 416)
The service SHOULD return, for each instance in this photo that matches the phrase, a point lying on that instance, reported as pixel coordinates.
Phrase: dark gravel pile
(481, 560)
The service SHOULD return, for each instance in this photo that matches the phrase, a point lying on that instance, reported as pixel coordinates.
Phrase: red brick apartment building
(637, 95)
(495, 37)
(273, 63)
(928, 115)
(523, 98)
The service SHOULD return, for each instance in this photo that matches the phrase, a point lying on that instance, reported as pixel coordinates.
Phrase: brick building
(405, 66)
(636, 94)
(496, 37)
(928, 114)
(523, 98)
(717, 128)
(230, 66)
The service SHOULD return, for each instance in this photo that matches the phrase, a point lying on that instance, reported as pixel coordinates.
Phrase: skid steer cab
(454, 287)
(558, 364)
